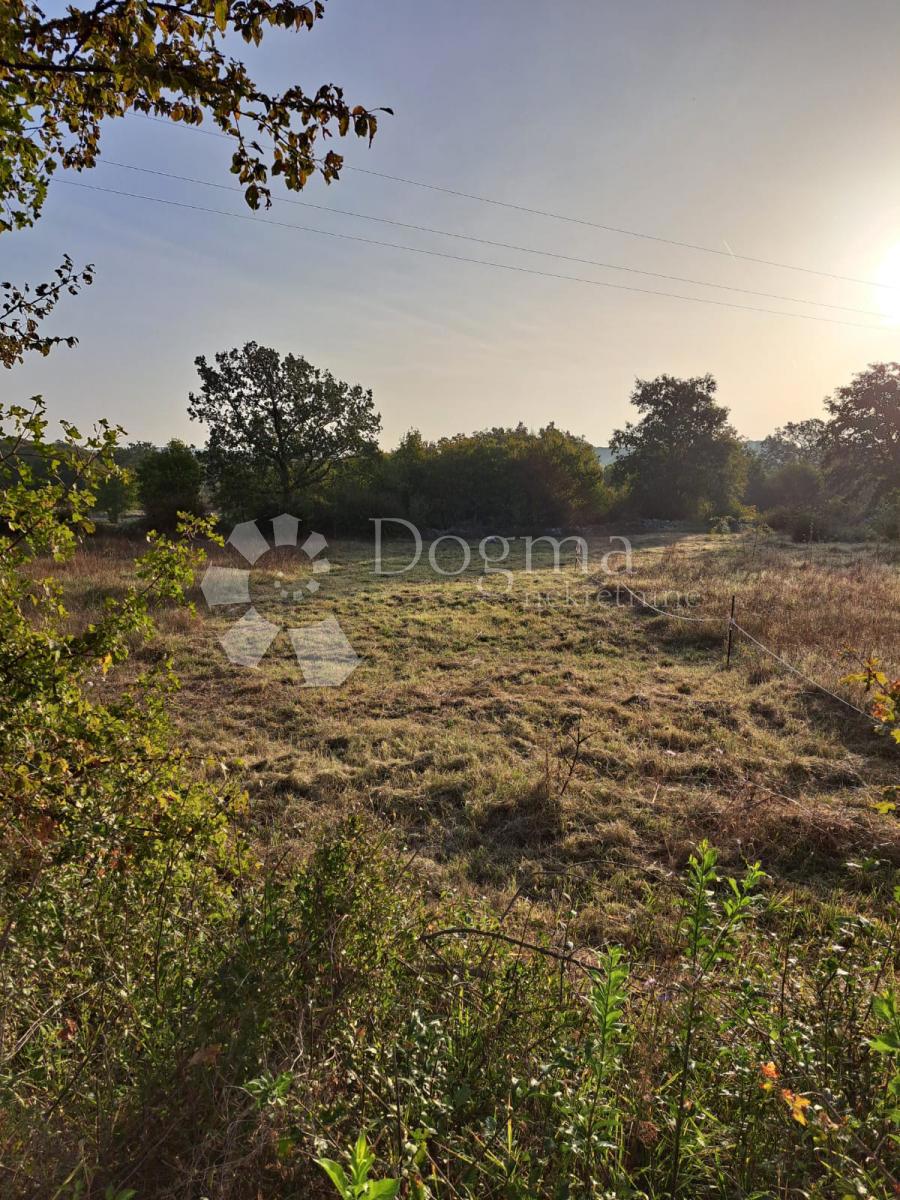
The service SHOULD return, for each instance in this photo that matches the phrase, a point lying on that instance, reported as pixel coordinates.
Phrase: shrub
(169, 482)
(886, 520)
(113, 861)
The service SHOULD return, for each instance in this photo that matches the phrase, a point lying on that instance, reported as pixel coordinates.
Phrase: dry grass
(456, 730)
(812, 604)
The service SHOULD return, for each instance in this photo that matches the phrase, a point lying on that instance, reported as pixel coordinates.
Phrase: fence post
(730, 636)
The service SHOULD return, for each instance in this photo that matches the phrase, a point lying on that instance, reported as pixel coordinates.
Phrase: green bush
(886, 520)
(113, 860)
(169, 482)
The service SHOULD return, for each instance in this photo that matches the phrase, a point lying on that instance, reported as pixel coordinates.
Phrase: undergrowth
(756, 1054)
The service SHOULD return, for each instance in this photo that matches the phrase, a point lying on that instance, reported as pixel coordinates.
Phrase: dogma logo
(325, 656)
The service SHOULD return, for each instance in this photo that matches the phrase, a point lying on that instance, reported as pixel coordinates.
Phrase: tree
(795, 485)
(277, 425)
(862, 438)
(797, 441)
(61, 76)
(116, 494)
(497, 480)
(562, 478)
(407, 469)
(169, 482)
(682, 459)
(117, 490)
(23, 308)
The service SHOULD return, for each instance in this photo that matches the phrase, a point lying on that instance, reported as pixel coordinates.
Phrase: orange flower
(797, 1105)
(769, 1073)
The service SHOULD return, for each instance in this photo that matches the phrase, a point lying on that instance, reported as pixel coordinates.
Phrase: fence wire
(730, 623)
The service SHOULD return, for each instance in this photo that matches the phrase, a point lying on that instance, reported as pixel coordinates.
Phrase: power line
(589, 262)
(554, 216)
(350, 237)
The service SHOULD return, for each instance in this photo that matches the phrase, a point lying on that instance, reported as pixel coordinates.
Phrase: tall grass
(820, 606)
(181, 1019)
(480, 1057)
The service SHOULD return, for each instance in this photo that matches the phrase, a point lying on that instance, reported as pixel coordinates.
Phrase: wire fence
(800, 674)
(732, 626)
(665, 612)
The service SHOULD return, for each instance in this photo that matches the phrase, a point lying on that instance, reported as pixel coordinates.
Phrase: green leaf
(336, 1174)
(385, 1189)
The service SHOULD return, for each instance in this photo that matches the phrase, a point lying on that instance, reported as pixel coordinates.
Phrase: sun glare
(889, 276)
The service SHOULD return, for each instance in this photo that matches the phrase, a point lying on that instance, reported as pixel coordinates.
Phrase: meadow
(485, 917)
(477, 693)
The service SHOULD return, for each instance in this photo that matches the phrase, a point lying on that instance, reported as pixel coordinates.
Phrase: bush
(169, 482)
(499, 480)
(755, 1056)
(886, 519)
(828, 523)
(113, 861)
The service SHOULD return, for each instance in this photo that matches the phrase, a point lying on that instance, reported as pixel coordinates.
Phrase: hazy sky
(768, 128)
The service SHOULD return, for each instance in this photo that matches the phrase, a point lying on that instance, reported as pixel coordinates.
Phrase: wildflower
(769, 1073)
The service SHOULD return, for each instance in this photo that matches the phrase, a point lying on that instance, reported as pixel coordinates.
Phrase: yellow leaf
(769, 1072)
(797, 1105)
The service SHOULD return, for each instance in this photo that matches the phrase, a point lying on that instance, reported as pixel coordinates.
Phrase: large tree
(795, 442)
(61, 76)
(862, 438)
(276, 425)
(682, 459)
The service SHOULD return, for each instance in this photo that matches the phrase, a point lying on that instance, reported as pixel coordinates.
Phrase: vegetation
(497, 966)
(455, 930)
(276, 427)
(169, 482)
(862, 439)
(500, 479)
(286, 436)
(22, 309)
(61, 76)
(795, 442)
(682, 459)
(818, 479)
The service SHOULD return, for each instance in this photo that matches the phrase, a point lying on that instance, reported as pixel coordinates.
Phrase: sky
(760, 128)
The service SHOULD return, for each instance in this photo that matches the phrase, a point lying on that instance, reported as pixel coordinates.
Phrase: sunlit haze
(889, 276)
(754, 129)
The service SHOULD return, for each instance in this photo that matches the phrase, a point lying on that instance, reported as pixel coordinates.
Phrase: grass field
(464, 903)
(510, 731)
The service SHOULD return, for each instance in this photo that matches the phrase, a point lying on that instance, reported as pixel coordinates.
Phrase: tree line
(284, 435)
